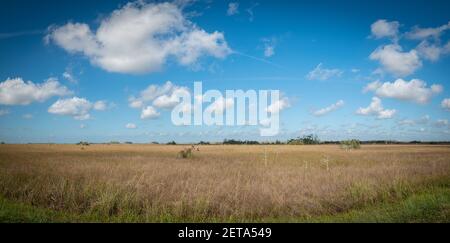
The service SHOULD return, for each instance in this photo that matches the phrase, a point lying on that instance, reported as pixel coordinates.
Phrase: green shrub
(351, 144)
(185, 153)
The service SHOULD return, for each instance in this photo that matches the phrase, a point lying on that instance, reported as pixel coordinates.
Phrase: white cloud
(140, 38)
(421, 121)
(164, 96)
(329, 109)
(383, 28)
(69, 76)
(18, 92)
(376, 109)
(83, 126)
(100, 105)
(131, 126)
(233, 8)
(4, 112)
(76, 107)
(442, 123)
(149, 113)
(320, 73)
(269, 51)
(446, 104)
(278, 105)
(415, 90)
(395, 61)
(418, 33)
(431, 52)
(170, 100)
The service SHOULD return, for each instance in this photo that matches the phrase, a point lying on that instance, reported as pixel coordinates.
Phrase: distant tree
(306, 139)
(203, 143)
(172, 143)
(154, 143)
(83, 143)
(2, 142)
(128, 142)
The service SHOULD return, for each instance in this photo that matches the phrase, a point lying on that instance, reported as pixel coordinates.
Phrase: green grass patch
(431, 205)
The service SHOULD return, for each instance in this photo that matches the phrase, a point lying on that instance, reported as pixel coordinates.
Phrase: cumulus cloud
(100, 105)
(415, 90)
(395, 61)
(131, 126)
(278, 105)
(329, 109)
(418, 33)
(431, 52)
(76, 107)
(376, 109)
(383, 28)
(140, 38)
(164, 96)
(233, 8)
(446, 104)
(149, 112)
(320, 73)
(18, 92)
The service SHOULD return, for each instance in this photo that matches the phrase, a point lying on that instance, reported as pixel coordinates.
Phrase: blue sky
(69, 70)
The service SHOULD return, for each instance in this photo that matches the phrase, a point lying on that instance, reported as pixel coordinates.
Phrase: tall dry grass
(243, 183)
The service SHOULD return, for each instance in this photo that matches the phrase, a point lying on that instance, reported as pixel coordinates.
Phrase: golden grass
(219, 183)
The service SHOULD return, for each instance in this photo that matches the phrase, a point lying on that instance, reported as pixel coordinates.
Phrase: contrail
(20, 33)
(259, 59)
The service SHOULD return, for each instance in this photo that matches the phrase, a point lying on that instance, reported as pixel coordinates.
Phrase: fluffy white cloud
(149, 112)
(446, 104)
(415, 90)
(395, 61)
(418, 33)
(76, 107)
(329, 109)
(164, 96)
(431, 52)
(131, 126)
(320, 73)
(100, 105)
(233, 8)
(18, 92)
(140, 38)
(170, 100)
(383, 28)
(376, 109)
(278, 105)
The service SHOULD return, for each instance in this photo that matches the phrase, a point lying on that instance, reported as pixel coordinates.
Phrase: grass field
(224, 183)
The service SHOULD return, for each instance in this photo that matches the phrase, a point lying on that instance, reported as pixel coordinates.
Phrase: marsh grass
(221, 183)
